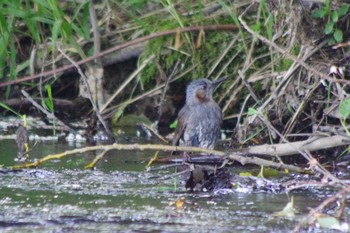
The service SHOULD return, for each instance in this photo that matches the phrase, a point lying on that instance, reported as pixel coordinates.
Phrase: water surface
(120, 196)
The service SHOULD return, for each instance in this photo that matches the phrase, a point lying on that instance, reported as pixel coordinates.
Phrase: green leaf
(49, 101)
(335, 16)
(48, 104)
(48, 90)
(42, 3)
(137, 4)
(173, 125)
(22, 66)
(245, 174)
(343, 10)
(9, 109)
(85, 21)
(320, 13)
(118, 114)
(329, 28)
(331, 41)
(338, 35)
(344, 108)
(270, 172)
(66, 30)
(327, 6)
(55, 31)
(256, 27)
(252, 111)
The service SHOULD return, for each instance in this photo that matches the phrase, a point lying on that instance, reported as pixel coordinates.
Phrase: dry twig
(47, 113)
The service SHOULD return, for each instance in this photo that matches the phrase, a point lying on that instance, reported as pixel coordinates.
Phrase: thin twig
(108, 131)
(248, 86)
(241, 111)
(150, 128)
(47, 113)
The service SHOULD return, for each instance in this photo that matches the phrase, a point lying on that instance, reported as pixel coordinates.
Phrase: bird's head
(201, 90)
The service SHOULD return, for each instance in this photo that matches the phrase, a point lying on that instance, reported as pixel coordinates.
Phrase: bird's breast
(203, 126)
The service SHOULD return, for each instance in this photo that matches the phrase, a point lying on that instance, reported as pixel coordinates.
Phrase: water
(120, 196)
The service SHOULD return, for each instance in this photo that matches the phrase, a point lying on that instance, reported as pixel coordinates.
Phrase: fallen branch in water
(251, 155)
(233, 156)
(312, 144)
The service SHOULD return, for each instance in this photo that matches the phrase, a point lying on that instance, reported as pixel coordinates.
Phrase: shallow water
(120, 196)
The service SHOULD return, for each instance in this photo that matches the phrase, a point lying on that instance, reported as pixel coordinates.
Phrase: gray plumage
(21, 139)
(199, 121)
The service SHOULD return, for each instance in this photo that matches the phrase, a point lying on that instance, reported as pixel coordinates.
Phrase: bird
(199, 123)
(200, 119)
(22, 141)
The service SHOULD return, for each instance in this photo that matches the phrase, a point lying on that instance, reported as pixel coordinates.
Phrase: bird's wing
(181, 125)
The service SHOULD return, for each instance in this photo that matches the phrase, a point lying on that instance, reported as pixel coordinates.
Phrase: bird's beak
(217, 82)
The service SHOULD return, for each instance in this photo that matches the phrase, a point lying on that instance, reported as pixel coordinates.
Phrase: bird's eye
(205, 86)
